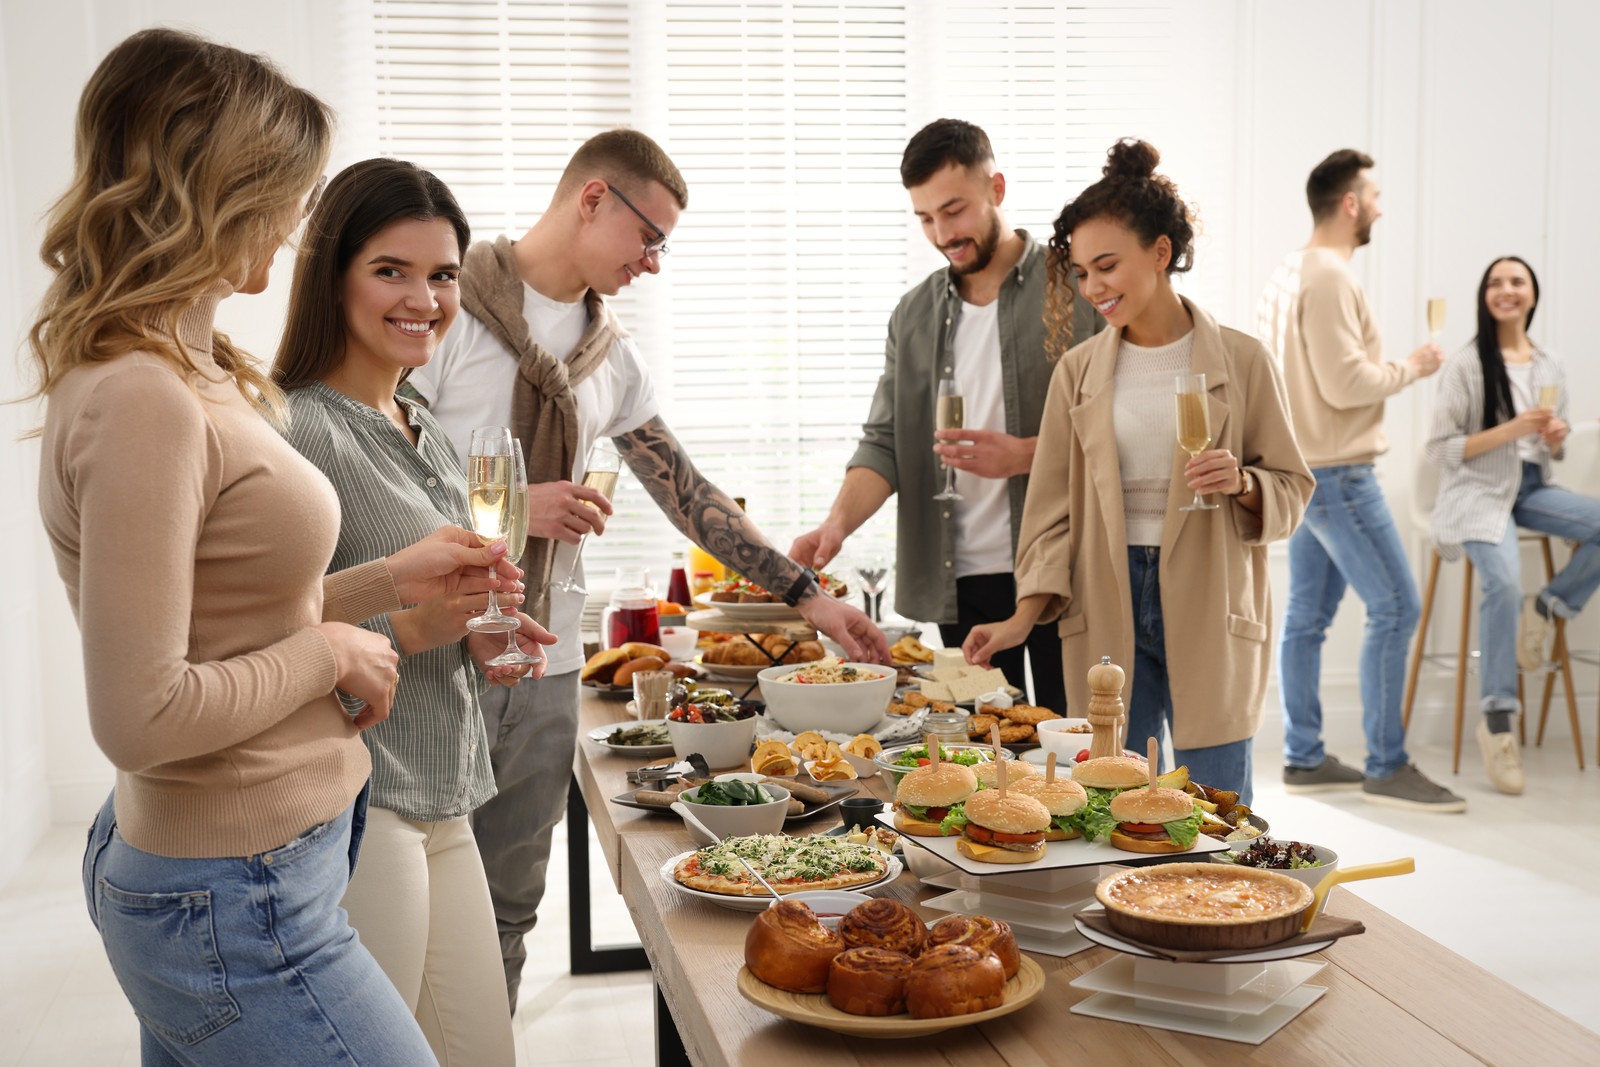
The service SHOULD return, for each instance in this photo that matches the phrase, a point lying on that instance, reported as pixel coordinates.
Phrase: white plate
(1246, 1029)
(599, 734)
(1276, 981)
(1263, 955)
(755, 903)
(776, 611)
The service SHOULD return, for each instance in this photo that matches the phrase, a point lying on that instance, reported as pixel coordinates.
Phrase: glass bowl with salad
(900, 760)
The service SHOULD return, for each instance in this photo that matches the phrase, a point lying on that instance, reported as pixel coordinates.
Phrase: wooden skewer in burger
(1003, 826)
(1153, 819)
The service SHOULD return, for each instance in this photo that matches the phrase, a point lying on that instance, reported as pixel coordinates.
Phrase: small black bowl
(859, 811)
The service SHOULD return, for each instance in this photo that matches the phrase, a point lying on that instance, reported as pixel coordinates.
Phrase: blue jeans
(1547, 509)
(247, 960)
(1150, 704)
(1347, 539)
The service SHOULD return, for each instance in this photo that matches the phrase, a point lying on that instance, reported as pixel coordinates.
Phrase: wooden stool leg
(1549, 676)
(1422, 644)
(1461, 657)
(1565, 661)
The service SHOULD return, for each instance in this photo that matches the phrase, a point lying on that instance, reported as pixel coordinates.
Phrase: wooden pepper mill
(1107, 714)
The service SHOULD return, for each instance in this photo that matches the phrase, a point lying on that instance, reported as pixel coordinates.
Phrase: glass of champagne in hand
(950, 414)
(1435, 316)
(516, 544)
(489, 467)
(599, 472)
(1194, 425)
(1549, 396)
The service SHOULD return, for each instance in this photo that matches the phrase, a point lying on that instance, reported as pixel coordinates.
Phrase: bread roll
(954, 980)
(880, 923)
(680, 670)
(982, 933)
(869, 981)
(636, 649)
(788, 948)
(625, 673)
(603, 665)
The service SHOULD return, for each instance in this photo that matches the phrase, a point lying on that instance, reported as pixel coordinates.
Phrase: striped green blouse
(430, 758)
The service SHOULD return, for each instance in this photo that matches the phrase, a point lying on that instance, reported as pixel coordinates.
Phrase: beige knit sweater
(192, 540)
(1315, 317)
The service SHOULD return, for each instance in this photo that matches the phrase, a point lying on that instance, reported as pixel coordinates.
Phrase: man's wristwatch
(1247, 482)
(807, 579)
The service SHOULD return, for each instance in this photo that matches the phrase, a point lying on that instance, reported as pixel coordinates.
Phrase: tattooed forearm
(705, 514)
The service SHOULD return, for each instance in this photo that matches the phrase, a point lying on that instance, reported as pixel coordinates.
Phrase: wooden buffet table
(1392, 993)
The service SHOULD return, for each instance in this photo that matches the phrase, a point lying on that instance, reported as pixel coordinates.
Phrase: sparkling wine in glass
(1549, 396)
(516, 544)
(600, 472)
(949, 414)
(489, 488)
(1194, 425)
(1435, 316)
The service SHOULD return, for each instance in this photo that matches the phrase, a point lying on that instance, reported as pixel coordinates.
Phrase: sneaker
(1501, 758)
(1408, 788)
(1533, 637)
(1332, 775)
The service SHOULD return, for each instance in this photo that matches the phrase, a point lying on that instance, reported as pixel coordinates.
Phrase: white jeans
(420, 903)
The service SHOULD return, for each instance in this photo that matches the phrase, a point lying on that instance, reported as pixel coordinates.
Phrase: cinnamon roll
(884, 924)
(954, 980)
(869, 981)
(789, 948)
(982, 933)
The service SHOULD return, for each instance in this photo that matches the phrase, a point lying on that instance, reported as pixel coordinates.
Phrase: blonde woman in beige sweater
(192, 541)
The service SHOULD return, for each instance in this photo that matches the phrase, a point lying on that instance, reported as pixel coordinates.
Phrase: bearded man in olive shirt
(979, 321)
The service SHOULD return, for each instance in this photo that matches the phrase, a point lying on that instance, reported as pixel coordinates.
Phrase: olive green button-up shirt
(897, 438)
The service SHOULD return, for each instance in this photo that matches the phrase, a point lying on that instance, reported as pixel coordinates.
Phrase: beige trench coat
(1215, 599)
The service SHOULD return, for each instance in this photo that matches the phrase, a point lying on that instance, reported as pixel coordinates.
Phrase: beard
(982, 251)
(1364, 229)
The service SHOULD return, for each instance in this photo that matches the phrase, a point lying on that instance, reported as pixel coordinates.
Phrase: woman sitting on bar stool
(1499, 419)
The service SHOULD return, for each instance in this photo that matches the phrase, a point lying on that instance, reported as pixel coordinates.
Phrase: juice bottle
(702, 562)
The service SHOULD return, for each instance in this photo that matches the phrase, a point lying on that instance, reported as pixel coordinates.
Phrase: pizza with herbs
(790, 864)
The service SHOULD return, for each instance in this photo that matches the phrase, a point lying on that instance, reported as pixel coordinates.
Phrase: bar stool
(1560, 660)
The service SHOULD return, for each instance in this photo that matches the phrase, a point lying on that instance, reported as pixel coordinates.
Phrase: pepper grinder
(1107, 714)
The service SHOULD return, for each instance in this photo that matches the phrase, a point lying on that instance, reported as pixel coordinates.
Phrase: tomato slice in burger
(1144, 827)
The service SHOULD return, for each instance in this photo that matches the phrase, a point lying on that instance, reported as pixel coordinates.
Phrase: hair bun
(1131, 158)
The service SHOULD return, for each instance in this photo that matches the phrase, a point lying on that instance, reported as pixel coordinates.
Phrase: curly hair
(191, 157)
(1131, 192)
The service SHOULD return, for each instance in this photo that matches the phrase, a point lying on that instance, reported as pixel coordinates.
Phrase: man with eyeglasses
(538, 349)
(980, 321)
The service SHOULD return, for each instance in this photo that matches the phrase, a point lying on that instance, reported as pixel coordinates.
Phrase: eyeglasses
(656, 246)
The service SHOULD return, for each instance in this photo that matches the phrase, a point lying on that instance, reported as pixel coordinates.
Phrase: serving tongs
(1353, 874)
(694, 766)
(692, 819)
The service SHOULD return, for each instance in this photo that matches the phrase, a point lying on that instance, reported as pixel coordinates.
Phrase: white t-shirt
(469, 383)
(1523, 397)
(983, 514)
(1145, 417)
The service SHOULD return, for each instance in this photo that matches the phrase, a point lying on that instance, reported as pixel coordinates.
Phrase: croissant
(869, 981)
(954, 980)
(789, 948)
(982, 933)
(884, 924)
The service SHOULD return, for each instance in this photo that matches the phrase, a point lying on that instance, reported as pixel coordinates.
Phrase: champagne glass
(1549, 396)
(1194, 425)
(950, 414)
(599, 472)
(1435, 316)
(516, 544)
(873, 572)
(489, 498)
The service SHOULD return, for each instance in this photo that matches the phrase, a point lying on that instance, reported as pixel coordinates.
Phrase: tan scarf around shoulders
(544, 410)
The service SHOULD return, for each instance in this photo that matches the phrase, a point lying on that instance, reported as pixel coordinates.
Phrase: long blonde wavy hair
(191, 159)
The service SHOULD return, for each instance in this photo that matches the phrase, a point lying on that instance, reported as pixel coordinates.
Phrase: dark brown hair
(1135, 195)
(1331, 179)
(1497, 403)
(626, 158)
(939, 144)
(360, 201)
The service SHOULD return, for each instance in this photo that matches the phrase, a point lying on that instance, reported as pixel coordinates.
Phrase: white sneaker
(1502, 759)
(1533, 636)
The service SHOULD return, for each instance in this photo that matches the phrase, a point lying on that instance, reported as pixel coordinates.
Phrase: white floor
(1513, 885)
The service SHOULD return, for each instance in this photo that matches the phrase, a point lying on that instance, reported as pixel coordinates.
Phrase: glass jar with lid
(949, 726)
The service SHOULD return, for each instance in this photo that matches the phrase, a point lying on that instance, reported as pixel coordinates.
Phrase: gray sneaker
(1331, 776)
(1407, 788)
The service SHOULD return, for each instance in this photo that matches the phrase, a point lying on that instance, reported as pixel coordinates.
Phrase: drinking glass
(1549, 396)
(599, 472)
(1435, 316)
(873, 572)
(516, 543)
(950, 414)
(1194, 425)
(489, 497)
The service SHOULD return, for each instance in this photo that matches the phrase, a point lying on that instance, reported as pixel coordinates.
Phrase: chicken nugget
(1030, 714)
(1015, 733)
(978, 726)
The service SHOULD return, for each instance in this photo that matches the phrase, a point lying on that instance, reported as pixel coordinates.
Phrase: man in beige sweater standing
(1315, 316)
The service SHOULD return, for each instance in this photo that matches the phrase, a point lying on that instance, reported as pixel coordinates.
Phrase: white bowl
(741, 776)
(735, 820)
(1309, 875)
(925, 863)
(829, 905)
(679, 641)
(843, 707)
(1054, 737)
(723, 744)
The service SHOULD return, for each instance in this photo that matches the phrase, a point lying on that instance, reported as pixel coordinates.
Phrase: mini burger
(1003, 829)
(1066, 802)
(928, 800)
(988, 772)
(1111, 774)
(1155, 820)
